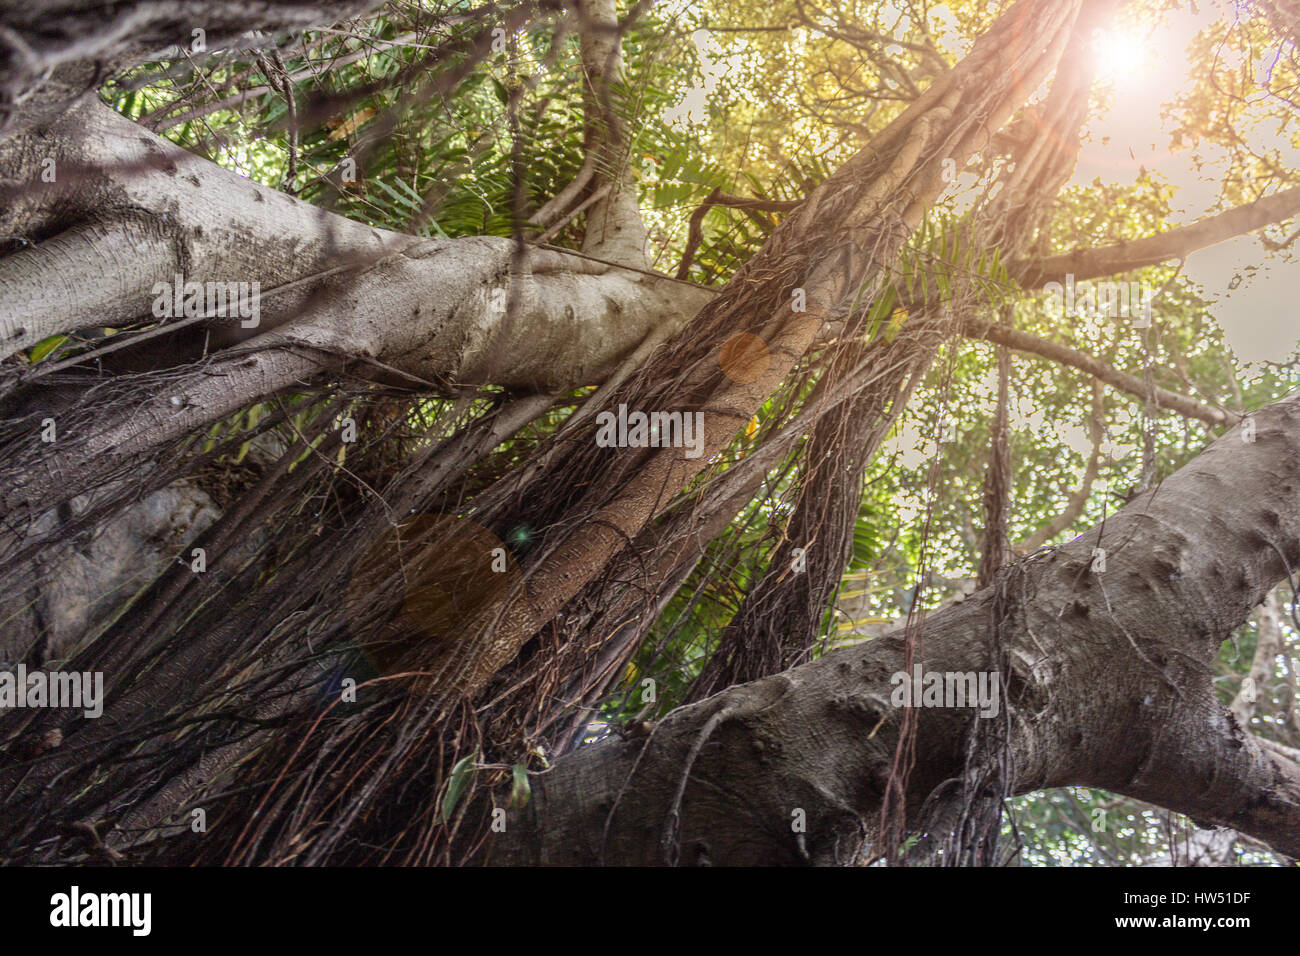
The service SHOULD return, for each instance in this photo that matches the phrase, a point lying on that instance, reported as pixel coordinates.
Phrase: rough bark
(1109, 686)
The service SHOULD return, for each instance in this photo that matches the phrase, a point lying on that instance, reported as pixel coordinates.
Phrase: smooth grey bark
(443, 313)
(126, 210)
(615, 229)
(1109, 686)
(186, 215)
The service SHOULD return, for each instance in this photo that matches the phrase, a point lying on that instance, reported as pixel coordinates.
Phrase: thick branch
(1109, 686)
(1176, 243)
(615, 229)
(1219, 775)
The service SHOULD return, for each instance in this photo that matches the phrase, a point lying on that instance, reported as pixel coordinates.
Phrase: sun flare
(1119, 55)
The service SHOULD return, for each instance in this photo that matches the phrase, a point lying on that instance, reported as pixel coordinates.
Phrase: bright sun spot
(1120, 55)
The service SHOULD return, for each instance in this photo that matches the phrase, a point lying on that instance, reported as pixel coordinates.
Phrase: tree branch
(1173, 244)
(1161, 397)
(615, 229)
(56, 53)
(816, 741)
(1077, 502)
(718, 198)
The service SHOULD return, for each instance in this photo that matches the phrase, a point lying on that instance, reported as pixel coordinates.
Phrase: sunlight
(1120, 55)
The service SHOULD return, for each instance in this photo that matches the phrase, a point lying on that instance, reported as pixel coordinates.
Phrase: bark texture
(1108, 685)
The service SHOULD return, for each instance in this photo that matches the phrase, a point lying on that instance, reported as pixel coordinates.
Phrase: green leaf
(520, 788)
(461, 775)
(45, 347)
(403, 195)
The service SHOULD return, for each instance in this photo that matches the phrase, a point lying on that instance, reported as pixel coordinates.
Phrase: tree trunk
(1107, 685)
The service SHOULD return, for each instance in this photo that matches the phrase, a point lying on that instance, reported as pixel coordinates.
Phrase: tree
(418, 574)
